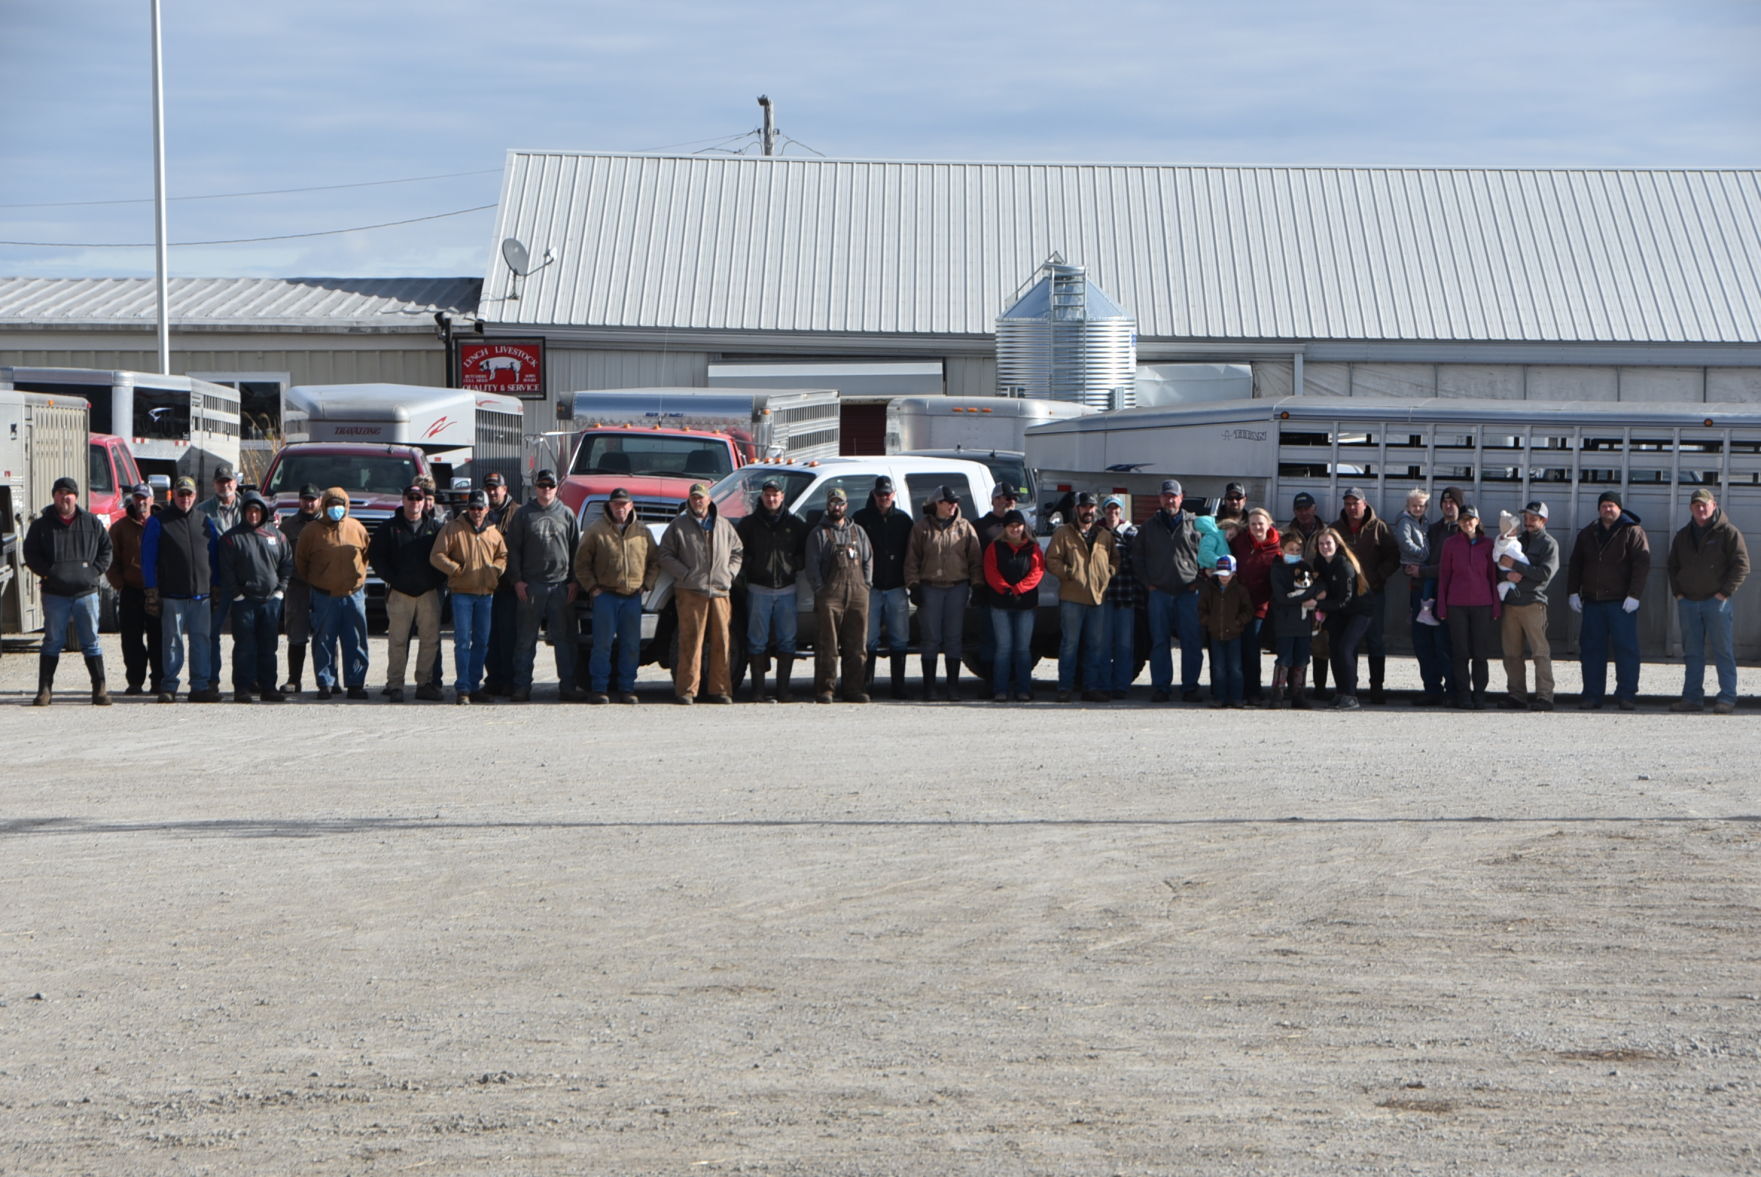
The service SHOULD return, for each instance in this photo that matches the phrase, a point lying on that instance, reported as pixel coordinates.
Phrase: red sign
(513, 367)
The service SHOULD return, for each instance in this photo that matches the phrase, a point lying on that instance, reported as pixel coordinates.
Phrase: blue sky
(325, 93)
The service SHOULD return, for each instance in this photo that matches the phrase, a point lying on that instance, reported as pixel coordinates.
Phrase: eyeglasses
(415, 497)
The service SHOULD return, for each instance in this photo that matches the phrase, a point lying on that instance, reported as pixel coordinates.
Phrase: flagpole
(162, 266)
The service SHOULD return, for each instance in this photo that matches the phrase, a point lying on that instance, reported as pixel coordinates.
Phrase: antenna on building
(519, 260)
(767, 137)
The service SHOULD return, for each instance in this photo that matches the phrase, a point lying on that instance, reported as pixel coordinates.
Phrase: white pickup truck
(805, 486)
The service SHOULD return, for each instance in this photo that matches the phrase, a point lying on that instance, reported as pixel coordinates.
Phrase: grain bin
(1066, 340)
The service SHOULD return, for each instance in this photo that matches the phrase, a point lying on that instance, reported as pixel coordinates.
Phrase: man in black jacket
(399, 553)
(69, 548)
(775, 542)
(889, 606)
(256, 563)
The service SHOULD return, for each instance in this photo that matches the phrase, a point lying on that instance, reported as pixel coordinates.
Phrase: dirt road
(357, 939)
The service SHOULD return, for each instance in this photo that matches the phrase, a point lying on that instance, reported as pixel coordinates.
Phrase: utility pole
(768, 136)
(159, 196)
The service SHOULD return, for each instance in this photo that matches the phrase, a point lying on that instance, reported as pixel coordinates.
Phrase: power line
(263, 192)
(241, 240)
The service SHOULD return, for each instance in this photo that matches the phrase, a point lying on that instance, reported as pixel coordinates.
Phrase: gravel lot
(903, 938)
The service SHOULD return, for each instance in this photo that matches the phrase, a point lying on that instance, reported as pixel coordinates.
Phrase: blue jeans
(941, 624)
(548, 604)
(1226, 676)
(617, 625)
(1082, 631)
(1431, 645)
(1706, 623)
(83, 612)
(1012, 630)
(1607, 624)
(889, 610)
(1121, 645)
(339, 620)
(771, 613)
(1294, 653)
(1175, 615)
(256, 626)
(471, 616)
(1250, 658)
(182, 618)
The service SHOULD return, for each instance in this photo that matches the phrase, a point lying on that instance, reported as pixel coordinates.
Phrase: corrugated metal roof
(344, 303)
(1244, 253)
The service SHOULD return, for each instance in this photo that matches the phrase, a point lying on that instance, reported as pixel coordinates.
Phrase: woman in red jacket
(1256, 549)
(1467, 601)
(1013, 568)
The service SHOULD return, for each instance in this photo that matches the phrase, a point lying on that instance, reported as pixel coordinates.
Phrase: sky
(388, 110)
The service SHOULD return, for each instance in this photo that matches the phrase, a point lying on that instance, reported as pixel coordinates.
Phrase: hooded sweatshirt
(541, 543)
(332, 556)
(255, 562)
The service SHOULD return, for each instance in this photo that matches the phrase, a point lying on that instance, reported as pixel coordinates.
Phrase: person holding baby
(1467, 601)
(1524, 574)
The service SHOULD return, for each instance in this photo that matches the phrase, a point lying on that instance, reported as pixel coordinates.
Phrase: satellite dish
(513, 252)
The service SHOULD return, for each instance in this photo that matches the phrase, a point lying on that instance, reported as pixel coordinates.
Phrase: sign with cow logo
(513, 367)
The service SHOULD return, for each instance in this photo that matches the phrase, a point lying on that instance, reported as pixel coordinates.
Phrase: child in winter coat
(1412, 535)
(1225, 609)
(1212, 543)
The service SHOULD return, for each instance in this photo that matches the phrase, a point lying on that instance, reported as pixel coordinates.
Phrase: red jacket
(1013, 573)
(1253, 566)
(1466, 575)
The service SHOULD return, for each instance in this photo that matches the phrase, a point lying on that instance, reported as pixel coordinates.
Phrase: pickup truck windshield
(377, 474)
(737, 496)
(656, 456)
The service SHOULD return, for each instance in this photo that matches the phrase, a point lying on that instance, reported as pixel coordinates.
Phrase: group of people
(1231, 584)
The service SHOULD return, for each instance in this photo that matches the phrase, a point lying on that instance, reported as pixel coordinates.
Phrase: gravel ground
(903, 938)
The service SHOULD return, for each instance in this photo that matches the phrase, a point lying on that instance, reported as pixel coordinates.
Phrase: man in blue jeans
(179, 549)
(1081, 557)
(1165, 554)
(1609, 564)
(615, 566)
(889, 604)
(69, 548)
(1708, 561)
(254, 566)
(1124, 595)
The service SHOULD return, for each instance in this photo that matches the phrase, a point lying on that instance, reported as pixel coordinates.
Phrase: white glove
(1630, 605)
(1576, 602)
(276, 595)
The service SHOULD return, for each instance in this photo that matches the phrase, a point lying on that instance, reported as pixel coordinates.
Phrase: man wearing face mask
(1081, 557)
(332, 558)
(840, 566)
(141, 657)
(702, 552)
(296, 612)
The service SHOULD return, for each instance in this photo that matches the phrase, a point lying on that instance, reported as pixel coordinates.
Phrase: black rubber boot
(1298, 701)
(868, 673)
(951, 689)
(46, 664)
(1378, 666)
(296, 666)
(100, 689)
(785, 665)
(1321, 692)
(899, 675)
(758, 668)
(929, 677)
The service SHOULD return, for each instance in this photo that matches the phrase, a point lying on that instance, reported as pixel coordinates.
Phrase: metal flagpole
(159, 194)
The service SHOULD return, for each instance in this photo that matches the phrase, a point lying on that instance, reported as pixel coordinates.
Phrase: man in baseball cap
(1165, 556)
(140, 634)
(1610, 562)
(1524, 617)
(1708, 562)
(702, 552)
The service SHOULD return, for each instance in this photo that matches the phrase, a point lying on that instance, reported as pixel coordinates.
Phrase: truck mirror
(161, 483)
(461, 484)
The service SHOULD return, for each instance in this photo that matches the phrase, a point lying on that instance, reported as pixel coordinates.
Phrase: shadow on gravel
(325, 827)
